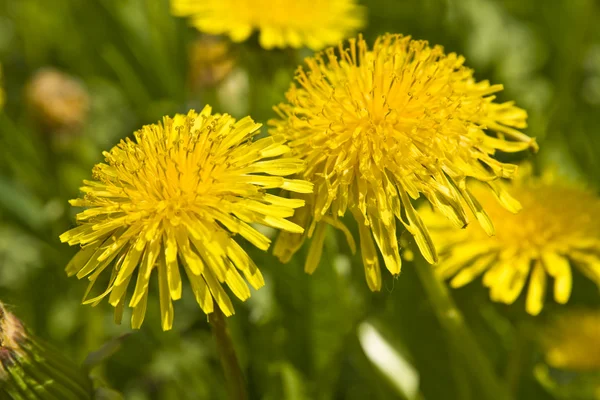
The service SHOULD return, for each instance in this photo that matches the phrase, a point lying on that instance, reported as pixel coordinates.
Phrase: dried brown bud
(59, 101)
(211, 61)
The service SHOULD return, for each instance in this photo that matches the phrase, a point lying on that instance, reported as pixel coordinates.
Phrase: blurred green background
(300, 337)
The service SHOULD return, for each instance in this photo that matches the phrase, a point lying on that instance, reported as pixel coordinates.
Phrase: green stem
(229, 361)
(519, 356)
(466, 346)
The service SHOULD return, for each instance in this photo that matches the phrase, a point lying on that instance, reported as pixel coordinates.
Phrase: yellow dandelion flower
(381, 127)
(572, 341)
(556, 229)
(175, 197)
(281, 23)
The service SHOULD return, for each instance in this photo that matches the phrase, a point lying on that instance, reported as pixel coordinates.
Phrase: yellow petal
(173, 275)
(515, 286)
(480, 214)
(468, 274)
(385, 237)
(144, 272)
(418, 229)
(131, 261)
(79, 260)
(316, 248)
(537, 289)
(237, 284)
(336, 223)
(369, 255)
(139, 312)
(218, 293)
(558, 267)
(201, 292)
(166, 304)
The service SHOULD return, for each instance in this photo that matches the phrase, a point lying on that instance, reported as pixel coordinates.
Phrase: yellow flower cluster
(363, 131)
(379, 128)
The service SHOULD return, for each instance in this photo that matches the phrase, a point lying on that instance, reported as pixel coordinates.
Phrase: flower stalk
(227, 355)
(464, 342)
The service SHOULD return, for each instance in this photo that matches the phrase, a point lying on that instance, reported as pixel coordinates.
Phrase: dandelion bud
(29, 369)
(211, 61)
(59, 101)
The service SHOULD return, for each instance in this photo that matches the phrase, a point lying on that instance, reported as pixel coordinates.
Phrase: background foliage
(300, 337)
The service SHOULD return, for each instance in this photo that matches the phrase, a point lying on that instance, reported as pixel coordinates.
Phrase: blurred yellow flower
(557, 229)
(379, 127)
(175, 197)
(281, 23)
(572, 341)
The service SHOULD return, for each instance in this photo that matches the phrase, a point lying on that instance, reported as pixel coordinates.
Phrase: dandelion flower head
(556, 230)
(281, 23)
(383, 126)
(172, 200)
